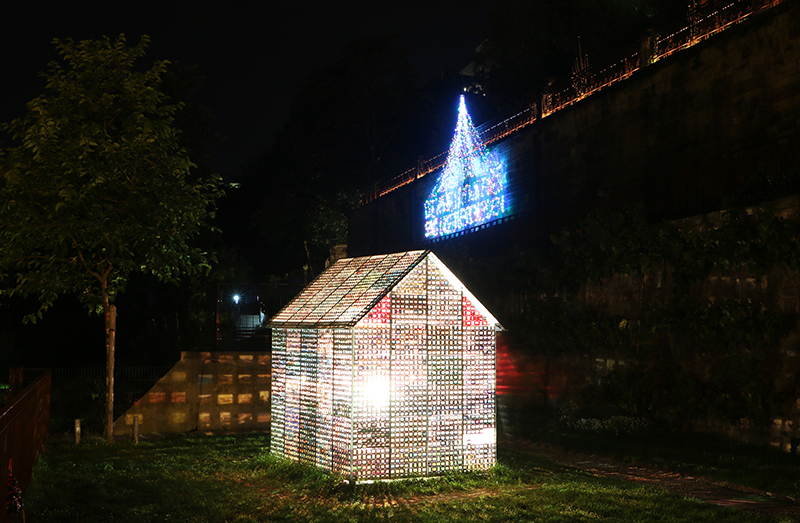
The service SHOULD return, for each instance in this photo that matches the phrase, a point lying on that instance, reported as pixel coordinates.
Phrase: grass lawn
(709, 455)
(233, 478)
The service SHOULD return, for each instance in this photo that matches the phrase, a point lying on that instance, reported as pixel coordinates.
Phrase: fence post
(5, 452)
(16, 381)
(23, 432)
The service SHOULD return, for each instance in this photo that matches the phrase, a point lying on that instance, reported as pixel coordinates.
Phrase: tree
(97, 187)
(344, 123)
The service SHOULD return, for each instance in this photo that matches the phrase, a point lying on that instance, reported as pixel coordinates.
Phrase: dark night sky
(252, 54)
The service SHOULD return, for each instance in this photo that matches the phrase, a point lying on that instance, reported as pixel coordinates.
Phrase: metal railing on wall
(706, 19)
(79, 393)
(24, 423)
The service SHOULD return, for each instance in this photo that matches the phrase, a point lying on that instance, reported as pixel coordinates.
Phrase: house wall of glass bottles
(408, 391)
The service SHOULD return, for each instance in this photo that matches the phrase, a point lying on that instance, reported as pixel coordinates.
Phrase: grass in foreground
(710, 455)
(235, 479)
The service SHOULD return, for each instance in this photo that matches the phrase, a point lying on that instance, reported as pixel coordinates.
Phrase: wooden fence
(24, 425)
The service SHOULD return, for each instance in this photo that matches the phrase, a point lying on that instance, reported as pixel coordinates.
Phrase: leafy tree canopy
(97, 186)
(341, 135)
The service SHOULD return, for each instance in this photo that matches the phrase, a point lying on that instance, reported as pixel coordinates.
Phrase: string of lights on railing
(699, 30)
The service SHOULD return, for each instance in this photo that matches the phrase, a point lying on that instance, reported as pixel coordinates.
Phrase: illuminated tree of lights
(471, 188)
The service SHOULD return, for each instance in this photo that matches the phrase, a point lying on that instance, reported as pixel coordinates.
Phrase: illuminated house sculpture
(384, 367)
(471, 189)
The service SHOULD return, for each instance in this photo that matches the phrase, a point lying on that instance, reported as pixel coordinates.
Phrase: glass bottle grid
(426, 340)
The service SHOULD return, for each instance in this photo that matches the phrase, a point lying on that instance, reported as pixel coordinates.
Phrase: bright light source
(471, 190)
(236, 299)
(377, 393)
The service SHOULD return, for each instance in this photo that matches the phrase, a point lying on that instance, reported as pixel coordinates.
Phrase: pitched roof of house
(347, 290)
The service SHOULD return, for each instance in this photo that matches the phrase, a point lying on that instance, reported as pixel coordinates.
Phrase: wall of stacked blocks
(206, 391)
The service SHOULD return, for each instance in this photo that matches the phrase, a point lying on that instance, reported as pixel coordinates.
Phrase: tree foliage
(344, 123)
(97, 186)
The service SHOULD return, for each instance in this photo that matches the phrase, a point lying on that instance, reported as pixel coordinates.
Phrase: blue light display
(471, 189)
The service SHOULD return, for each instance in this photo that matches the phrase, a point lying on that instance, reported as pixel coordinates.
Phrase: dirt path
(704, 489)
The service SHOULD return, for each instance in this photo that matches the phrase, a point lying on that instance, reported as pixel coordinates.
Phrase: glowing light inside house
(377, 392)
(384, 367)
(471, 190)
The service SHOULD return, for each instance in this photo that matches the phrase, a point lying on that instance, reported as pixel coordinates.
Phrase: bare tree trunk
(110, 312)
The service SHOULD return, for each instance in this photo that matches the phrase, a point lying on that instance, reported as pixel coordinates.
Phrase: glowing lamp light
(377, 393)
(382, 368)
(236, 299)
(471, 190)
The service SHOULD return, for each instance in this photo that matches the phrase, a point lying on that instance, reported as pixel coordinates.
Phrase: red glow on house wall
(470, 315)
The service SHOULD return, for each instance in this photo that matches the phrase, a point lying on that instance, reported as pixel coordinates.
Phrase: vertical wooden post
(111, 327)
(5, 443)
(219, 315)
(77, 431)
(136, 429)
